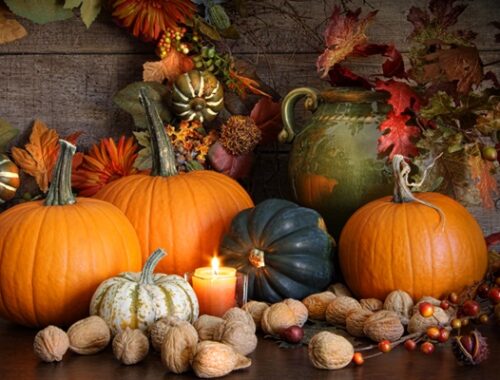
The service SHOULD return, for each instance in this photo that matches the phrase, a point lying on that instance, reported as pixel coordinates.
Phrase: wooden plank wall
(66, 75)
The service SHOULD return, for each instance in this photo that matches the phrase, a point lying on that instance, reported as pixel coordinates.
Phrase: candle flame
(215, 265)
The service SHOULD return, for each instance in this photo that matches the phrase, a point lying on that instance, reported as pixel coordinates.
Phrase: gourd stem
(60, 188)
(149, 267)
(402, 193)
(162, 151)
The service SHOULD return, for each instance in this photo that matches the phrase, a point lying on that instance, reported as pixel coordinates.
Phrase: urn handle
(313, 98)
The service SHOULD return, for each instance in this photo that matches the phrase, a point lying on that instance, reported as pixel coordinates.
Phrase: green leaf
(440, 104)
(89, 11)
(143, 138)
(128, 100)
(143, 160)
(40, 11)
(70, 4)
(7, 133)
(204, 28)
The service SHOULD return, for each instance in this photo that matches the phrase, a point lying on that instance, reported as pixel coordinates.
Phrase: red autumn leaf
(341, 76)
(397, 135)
(267, 116)
(342, 34)
(233, 166)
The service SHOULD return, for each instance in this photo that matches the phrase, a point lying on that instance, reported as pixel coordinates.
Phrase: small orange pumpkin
(425, 244)
(54, 254)
(184, 213)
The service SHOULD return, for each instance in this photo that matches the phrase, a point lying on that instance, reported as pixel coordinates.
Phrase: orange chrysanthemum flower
(149, 18)
(104, 163)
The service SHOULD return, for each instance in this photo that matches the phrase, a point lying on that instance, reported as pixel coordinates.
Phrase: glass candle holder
(218, 291)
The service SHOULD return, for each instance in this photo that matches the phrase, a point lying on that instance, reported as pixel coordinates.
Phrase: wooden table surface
(17, 361)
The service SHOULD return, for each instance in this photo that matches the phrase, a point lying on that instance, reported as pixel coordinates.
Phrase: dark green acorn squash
(283, 248)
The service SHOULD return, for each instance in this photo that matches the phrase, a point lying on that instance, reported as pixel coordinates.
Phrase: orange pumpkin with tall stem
(426, 244)
(55, 253)
(184, 213)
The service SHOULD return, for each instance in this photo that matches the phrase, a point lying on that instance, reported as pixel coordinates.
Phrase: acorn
(470, 349)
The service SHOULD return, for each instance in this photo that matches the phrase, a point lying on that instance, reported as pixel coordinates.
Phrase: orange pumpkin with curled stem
(55, 253)
(426, 244)
(184, 213)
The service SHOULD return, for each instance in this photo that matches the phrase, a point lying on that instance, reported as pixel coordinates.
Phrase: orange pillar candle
(215, 288)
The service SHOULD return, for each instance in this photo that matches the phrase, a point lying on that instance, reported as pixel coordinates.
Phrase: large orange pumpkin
(184, 213)
(54, 254)
(426, 244)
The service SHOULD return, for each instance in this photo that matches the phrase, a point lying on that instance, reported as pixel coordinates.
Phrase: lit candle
(215, 288)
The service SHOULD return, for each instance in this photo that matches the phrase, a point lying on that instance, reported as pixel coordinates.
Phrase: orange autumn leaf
(483, 179)
(10, 29)
(40, 154)
(174, 64)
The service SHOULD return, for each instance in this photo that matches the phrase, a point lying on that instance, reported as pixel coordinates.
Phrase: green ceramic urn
(334, 166)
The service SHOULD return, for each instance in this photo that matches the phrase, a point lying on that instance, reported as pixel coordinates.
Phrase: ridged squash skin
(283, 248)
(136, 300)
(9, 178)
(388, 245)
(53, 257)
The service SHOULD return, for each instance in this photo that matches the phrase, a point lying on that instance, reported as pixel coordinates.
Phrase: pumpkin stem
(402, 193)
(60, 193)
(256, 258)
(149, 267)
(161, 147)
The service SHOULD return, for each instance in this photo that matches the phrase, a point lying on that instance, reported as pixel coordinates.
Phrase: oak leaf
(397, 137)
(174, 64)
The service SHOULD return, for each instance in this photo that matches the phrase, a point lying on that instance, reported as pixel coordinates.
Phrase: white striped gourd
(197, 95)
(9, 178)
(137, 300)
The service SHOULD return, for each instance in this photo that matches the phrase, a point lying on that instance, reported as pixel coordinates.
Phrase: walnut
(256, 309)
(178, 347)
(340, 289)
(206, 325)
(51, 344)
(158, 330)
(337, 310)
(316, 304)
(401, 303)
(277, 318)
(130, 346)
(214, 359)
(371, 304)
(237, 314)
(299, 309)
(330, 351)
(355, 321)
(89, 336)
(383, 325)
(237, 334)
(419, 323)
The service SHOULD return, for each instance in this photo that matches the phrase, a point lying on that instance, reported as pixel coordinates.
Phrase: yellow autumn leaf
(10, 29)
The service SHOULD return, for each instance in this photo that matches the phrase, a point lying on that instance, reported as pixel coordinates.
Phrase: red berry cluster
(172, 38)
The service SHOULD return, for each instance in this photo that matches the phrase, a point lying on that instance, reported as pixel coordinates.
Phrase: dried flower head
(239, 135)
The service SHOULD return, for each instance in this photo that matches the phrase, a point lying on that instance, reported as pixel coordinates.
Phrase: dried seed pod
(401, 303)
(206, 325)
(158, 330)
(470, 349)
(419, 323)
(237, 314)
(130, 346)
(277, 318)
(89, 336)
(339, 308)
(256, 310)
(330, 351)
(371, 304)
(237, 334)
(340, 289)
(178, 347)
(299, 309)
(383, 325)
(355, 321)
(51, 344)
(317, 303)
(214, 359)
